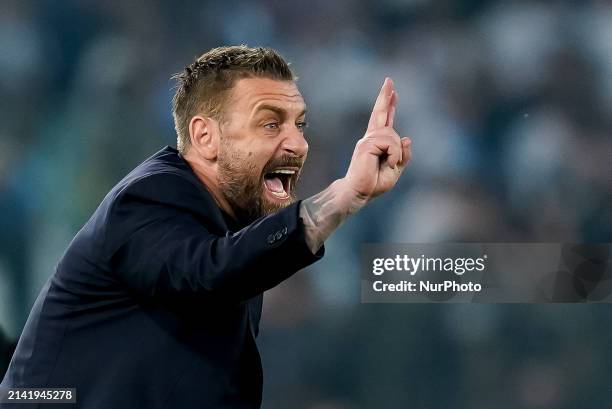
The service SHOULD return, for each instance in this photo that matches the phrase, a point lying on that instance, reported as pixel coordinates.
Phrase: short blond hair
(203, 87)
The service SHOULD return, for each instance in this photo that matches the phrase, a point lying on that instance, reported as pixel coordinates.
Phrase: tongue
(274, 184)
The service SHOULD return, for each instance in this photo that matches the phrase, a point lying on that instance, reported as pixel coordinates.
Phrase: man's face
(262, 146)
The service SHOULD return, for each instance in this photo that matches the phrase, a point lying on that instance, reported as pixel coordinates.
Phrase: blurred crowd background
(508, 104)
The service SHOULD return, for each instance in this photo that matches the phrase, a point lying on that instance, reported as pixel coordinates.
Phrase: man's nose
(295, 143)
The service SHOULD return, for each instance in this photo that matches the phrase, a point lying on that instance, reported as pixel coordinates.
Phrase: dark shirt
(157, 300)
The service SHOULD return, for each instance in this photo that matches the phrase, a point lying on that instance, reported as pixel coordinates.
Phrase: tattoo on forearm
(324, 212)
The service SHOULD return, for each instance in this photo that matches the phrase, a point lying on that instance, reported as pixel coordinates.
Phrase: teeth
(282, 195)
(285, 171)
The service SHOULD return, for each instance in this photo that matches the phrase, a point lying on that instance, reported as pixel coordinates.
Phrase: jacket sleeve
(167, 250)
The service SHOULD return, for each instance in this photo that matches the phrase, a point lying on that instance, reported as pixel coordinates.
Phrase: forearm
(324, 212)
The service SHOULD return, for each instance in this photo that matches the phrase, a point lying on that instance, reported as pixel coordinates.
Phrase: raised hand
(381, 155)
(378, 161)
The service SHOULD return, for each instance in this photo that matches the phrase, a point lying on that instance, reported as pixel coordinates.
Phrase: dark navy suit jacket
(156, 302)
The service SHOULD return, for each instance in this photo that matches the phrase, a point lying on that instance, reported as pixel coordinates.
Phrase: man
(157, 300)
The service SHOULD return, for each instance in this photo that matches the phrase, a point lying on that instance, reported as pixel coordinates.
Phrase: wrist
(348, 198)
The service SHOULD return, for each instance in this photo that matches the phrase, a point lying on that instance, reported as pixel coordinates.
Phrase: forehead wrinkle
(260, 98)
(265, 103)
(265, 87)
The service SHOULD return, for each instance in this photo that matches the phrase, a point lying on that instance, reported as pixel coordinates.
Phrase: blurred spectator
(6, 352)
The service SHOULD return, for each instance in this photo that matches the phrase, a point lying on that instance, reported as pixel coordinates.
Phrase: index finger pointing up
(380, 113)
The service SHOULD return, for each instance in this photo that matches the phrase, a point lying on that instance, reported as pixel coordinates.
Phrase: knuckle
(391, 133)
(370, 135)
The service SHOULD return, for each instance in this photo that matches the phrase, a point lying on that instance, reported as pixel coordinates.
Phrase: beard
(242, 183)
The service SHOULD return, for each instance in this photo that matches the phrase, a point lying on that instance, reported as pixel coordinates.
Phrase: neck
(206, 172)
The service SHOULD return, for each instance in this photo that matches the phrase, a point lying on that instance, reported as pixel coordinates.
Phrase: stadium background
(508, 104)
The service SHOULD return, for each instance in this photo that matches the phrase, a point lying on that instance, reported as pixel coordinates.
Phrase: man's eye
(271, 125)
(302, 125)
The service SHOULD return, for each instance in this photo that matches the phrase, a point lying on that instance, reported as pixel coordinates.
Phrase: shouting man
(157, 300)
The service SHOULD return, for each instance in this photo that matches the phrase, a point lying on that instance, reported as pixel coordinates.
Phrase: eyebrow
(280, 111)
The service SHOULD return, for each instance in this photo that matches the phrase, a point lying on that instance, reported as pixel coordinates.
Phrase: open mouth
(278, 182)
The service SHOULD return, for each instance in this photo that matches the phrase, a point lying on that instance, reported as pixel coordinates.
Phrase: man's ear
(204, 136)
